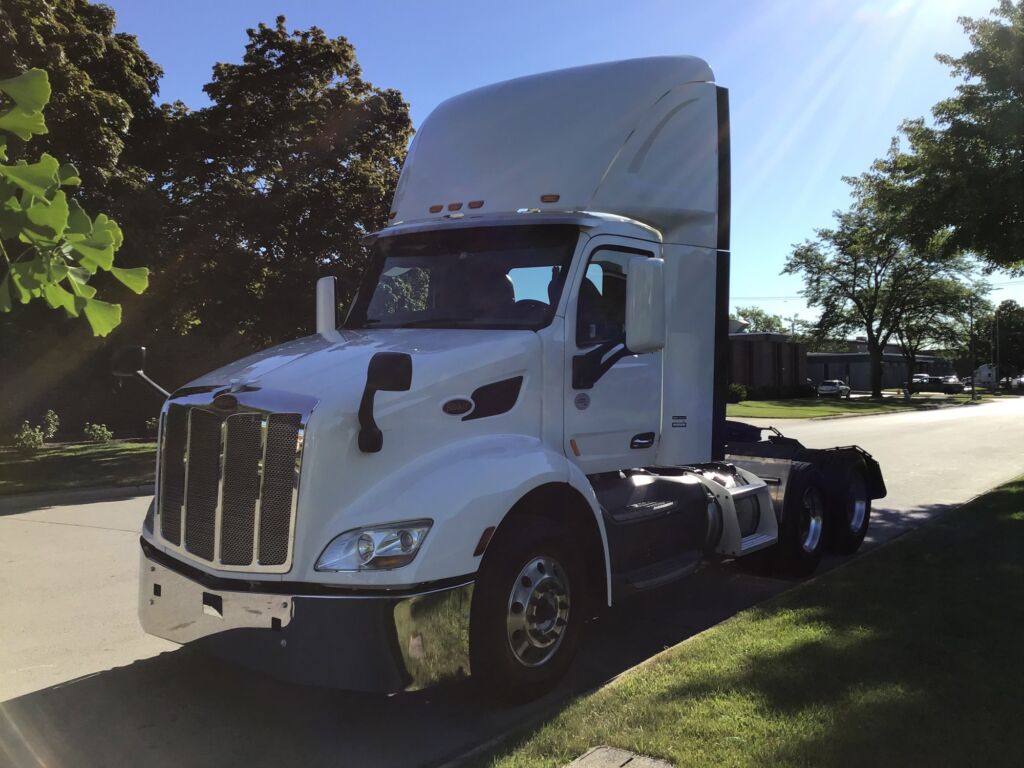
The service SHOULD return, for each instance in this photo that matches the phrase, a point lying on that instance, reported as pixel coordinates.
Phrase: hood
(314, 364)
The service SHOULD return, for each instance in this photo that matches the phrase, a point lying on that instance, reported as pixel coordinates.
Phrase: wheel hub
(812, 520)
(858, 503)
(538, 611)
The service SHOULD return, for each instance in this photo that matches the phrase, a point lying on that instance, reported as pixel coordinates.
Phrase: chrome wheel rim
(538, 611)
(812, 521)
(859, 503)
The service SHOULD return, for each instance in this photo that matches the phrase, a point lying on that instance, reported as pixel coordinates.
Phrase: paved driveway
(81, 685)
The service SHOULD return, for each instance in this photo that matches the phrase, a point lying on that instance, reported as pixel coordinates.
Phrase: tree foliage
(937, 320)
(1010, 336)
(275, 184)
(760, 320)
(965, 173)
(50, 248)
(103, 88)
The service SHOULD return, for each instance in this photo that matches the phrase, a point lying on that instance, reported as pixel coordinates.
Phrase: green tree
(275, 184)
(864, 275)
(49, 247)
(965, 173)
(1003, 324)
(759, 320)
(937, 319)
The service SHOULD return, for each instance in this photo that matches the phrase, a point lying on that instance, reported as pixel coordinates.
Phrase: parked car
(950, 384)
(919, 378)
(833, 388)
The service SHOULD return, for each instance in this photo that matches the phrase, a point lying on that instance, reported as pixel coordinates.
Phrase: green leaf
(53, 216)
(79, 222)
(23, 123)
(3, 147)
(68, 175)
(96, 250)
(30, 90)
(102, 316)
(78, 278)
(56, 297)
(137, 278)
(36, 179)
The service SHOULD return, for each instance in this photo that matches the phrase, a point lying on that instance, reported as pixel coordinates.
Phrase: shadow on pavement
(182, 708)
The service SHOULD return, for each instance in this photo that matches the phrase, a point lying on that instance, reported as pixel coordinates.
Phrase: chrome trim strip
(184, 495)
(257, 514)
(218, 512)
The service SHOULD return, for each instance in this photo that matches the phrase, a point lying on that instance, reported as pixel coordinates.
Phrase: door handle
(643, 440)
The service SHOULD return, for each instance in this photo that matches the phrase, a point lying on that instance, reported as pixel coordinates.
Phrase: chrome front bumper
(359, 641)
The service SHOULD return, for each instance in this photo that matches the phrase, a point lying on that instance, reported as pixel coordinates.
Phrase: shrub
(28, 438)
(152, 425)
(97, 433)
(737, 392)
(51, 423)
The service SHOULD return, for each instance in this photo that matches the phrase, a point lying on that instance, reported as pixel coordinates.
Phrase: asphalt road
(81, 685)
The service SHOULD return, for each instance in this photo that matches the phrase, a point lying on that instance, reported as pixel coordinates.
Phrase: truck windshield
(487, 277)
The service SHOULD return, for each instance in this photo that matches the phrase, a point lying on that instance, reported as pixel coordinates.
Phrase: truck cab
(517, 421)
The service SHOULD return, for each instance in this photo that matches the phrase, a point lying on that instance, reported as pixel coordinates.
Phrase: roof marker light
(476, 203)
(436, 208)
(454, 206)
(550, 198)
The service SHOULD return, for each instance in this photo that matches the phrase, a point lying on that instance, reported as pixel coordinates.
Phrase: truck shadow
(183, 708)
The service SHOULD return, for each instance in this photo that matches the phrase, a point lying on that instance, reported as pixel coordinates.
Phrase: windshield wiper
(432, 321)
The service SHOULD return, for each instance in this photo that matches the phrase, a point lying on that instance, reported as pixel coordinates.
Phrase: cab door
(612, 413)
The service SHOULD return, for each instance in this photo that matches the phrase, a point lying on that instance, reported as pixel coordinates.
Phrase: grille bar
(228, 482)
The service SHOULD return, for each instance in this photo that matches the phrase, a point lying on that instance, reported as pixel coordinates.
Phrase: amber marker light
(454, 206)
(550, 198)
(436, 208)
(476, 204)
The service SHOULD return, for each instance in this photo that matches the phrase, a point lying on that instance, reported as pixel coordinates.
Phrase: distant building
(854, 366)
(767, 360)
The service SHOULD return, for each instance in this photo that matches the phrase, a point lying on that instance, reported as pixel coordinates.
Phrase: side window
(601, 305)
(534, 283)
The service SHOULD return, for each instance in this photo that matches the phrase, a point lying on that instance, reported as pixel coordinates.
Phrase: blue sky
(817, 88)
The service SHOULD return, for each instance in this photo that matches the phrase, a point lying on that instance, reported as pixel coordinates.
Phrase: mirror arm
(153, 384)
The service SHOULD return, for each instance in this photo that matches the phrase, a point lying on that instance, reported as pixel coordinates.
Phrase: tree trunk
(911, 359)
(875, 353)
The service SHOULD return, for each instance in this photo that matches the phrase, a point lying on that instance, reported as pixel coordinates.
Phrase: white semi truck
(519, 421)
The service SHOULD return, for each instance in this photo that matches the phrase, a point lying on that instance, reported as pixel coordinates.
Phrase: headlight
(381, 547)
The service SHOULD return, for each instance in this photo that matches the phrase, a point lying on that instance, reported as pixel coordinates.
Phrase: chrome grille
(228, 485)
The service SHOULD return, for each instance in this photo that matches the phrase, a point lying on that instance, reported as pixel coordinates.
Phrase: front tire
(528, 609)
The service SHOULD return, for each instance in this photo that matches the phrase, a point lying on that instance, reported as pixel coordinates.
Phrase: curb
(25, 501)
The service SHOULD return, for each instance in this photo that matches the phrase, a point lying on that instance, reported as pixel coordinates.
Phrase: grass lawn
(910, 655)
(806, 408)
(76, 465)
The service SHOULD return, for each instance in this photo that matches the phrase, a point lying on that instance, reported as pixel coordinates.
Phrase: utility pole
(974, 358)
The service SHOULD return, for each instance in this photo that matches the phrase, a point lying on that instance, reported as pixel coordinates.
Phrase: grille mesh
(278, 482)
(201, 482)
(248, 464)
(241, 488)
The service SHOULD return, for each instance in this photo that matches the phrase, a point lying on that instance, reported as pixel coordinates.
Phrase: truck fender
(465, 488)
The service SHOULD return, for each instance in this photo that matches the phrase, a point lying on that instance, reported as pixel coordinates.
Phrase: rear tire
(529, 603)
(801, 542)
(849, 504)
